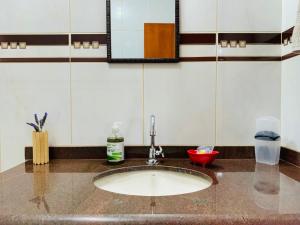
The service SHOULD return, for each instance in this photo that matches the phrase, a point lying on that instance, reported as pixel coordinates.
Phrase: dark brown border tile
(290, 171)
(287, 34)
(55, 39)
(290, 156)
(198, 59)
(136, 152)
(182, 59)
(203, 39)
(88, 60)
(89, 37)
(72, 153)
(236, 152)
(99, 152)
(288, 56)
(252, 38)
(249, 58)
(50, 60)
(34, 60)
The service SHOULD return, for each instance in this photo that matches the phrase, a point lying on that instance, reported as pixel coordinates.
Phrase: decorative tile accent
(56, 39)
(208, 39)
(287, 34)
(91, 42)
(252, 38)
(101, 38)
(286, 41)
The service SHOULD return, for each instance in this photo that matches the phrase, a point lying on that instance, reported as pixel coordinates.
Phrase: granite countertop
(63, 193)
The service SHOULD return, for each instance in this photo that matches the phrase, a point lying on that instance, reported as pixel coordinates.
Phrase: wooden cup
(40, 147)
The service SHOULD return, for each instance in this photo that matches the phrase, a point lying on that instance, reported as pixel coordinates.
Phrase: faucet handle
(160, 152)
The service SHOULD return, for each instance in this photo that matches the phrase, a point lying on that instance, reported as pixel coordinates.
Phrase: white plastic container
(267, 152)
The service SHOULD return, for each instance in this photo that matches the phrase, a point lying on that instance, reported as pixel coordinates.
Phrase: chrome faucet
(153, 152)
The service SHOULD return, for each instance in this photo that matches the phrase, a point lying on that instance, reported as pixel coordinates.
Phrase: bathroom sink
(152, 181)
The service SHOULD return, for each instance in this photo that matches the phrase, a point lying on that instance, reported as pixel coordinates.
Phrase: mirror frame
(142, 60)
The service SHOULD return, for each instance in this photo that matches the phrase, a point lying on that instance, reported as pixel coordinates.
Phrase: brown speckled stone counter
(63, 193)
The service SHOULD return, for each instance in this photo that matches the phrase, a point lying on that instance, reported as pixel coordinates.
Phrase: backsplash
(213, 96)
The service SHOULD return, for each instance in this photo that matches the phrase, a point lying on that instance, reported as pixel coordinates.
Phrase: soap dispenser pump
(115, 145)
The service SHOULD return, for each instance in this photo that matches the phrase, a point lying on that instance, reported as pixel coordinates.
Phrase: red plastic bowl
(203, 159)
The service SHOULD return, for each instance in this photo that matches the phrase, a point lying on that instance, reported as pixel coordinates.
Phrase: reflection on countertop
(243, 193)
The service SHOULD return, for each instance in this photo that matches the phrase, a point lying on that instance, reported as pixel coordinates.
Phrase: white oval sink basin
(152, 181)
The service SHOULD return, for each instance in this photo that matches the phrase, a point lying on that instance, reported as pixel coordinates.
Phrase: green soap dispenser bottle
(115, 145)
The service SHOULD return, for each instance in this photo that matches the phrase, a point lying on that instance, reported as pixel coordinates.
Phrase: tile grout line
(281, 72)
(1, 147)
(143, 104)
(216, 74)
(70, 81)
(1, 133)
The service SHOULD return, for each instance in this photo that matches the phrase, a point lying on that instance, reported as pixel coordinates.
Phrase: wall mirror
(143, 31)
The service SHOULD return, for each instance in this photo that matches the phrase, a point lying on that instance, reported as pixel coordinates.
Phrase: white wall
(34, 16)
(290, 109)
(195, 102)
(246, 91)
(249, 16)
(26, 89)
(183, 98)
(104, 93)
(289, 12)
(291, 103)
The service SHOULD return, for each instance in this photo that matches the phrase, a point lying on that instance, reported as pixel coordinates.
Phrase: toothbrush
(42, 121)
(36, 128)
(36, 119)
(39, 124)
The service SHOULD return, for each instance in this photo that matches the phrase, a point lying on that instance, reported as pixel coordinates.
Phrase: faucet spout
(152, 132)
(152, 125)
(153, 152)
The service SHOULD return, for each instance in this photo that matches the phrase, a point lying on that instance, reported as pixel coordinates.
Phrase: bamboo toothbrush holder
(40, 147)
